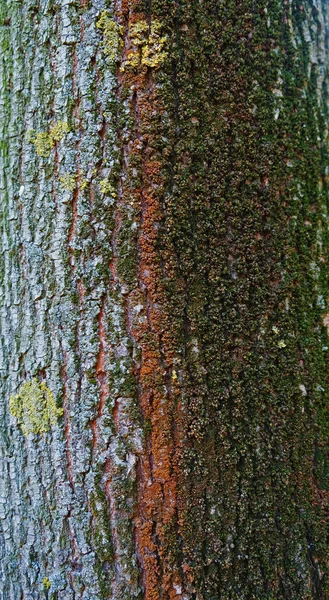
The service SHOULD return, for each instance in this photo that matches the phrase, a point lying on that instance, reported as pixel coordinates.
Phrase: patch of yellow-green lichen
(46, 583)
(44, 141)
(107, 188)
(30, 136)
(149, 45)
(112, 32)
(34, 407)
(153, 53)
(138, 32)
(83, 184)
(58, 130)
(68, 182)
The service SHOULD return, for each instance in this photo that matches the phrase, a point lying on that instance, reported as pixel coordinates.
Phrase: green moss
(34, 407)
(147, 427)
(239, 232)
(112, 32)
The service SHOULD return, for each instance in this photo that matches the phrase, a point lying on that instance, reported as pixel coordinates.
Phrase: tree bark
(164, 311)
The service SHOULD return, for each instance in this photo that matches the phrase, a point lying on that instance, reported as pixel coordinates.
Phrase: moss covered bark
(164, 239)
(246, 214)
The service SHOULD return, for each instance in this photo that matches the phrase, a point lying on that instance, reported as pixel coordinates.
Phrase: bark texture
(164, 310)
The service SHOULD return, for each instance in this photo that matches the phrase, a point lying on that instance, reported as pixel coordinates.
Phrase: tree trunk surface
(164, 309)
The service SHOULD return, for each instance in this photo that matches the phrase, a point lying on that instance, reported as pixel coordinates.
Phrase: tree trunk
(164, 311)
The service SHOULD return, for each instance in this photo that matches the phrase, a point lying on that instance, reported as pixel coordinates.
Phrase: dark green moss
(242, 215)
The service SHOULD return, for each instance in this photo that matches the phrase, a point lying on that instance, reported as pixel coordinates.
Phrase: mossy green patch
(102, 526)
(242, 213)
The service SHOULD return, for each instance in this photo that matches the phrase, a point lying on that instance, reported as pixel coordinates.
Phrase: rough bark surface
(164, 310)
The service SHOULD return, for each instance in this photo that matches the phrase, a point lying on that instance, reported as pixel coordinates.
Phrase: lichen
(112, 32)
(44, 141)
(30, 136)
(83, 184)
(58, 130)
(147, 45)
(46, 583)
(107, 188)
(34, 407)
(153, 53)
(138, 32)
(68, 182)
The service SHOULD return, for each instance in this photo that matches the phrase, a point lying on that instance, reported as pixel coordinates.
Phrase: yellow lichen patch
(44, 141)
(148, 45)
(138, 32)
(112, 33)
(34, 407)
(133, 60)
(107, 188)
(83, 184)
(68, 182)
(153, 53)
(58, 130)
(46, 583)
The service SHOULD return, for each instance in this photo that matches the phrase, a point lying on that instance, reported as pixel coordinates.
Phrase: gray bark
(60, 317)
